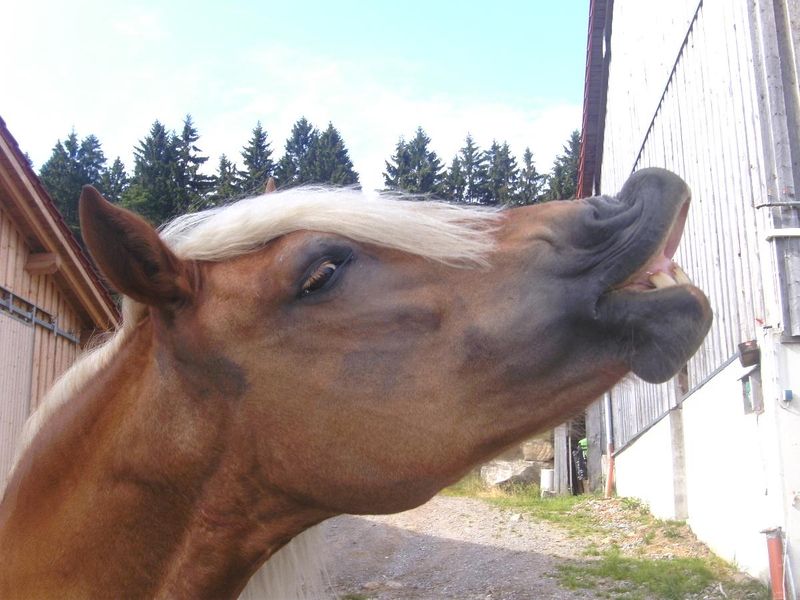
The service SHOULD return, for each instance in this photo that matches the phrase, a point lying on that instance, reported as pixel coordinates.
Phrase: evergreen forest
(169, 177)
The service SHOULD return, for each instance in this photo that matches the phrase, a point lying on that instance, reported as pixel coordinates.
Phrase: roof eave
(35, 211)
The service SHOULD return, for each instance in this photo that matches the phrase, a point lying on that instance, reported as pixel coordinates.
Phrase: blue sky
(506, 70)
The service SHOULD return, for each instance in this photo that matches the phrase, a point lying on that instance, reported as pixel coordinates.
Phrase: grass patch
(472, 485)
(660, 558)
(671, 579)
(562, 510)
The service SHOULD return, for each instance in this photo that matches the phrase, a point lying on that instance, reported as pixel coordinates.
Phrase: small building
(708, 89)
(51, 298)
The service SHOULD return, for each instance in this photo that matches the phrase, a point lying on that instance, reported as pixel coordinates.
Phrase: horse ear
(270, 187)
(130, 254)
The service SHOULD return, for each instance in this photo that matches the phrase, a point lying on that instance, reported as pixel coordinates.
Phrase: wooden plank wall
(52, 354)
(702, 121)
(16, 349)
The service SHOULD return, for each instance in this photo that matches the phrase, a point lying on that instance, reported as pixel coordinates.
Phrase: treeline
(478, 176)
(168, 176)
(168, 179)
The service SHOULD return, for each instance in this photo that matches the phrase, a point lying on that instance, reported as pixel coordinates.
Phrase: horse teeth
(662, 280)
(680, 275)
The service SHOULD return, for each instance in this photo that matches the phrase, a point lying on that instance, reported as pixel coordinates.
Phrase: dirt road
(451, 547)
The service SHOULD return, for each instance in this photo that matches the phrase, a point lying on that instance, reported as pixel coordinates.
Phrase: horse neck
(135, 488)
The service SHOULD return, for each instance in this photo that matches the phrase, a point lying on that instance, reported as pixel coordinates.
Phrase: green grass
(671, 579)
(609, 571)
(563, 510)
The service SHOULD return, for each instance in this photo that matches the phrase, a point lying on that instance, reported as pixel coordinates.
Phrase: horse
(308, 353)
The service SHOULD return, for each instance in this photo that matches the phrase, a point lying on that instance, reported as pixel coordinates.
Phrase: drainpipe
(775, 554)
(609, 445)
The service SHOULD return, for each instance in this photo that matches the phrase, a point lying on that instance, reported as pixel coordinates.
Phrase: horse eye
(321, 276)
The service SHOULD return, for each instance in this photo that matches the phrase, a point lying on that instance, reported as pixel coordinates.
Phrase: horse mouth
(660, 270)
(661, 317)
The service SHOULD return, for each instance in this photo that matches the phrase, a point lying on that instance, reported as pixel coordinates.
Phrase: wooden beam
(43, 263)
(596, 445)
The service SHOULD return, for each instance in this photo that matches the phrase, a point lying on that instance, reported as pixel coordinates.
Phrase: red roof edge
(598, 56)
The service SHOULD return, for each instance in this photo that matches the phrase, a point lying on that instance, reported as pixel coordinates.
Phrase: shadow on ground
(373, 560)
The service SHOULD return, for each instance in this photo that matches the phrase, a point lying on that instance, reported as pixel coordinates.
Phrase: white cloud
(140, 24)
(372, 114)
(372, 104)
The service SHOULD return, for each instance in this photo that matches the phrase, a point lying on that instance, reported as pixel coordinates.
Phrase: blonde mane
(446, 233)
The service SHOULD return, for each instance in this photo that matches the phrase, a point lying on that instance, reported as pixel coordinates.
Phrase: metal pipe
(775, 552)
(609, 444)
(783, 232)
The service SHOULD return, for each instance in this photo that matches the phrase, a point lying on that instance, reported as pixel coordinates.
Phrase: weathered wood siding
(683, 95)
(16, 348)
(51, 354)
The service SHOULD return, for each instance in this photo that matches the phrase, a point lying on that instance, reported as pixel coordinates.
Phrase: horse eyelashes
(320, 277)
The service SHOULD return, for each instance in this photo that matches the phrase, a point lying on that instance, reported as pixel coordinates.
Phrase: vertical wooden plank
(5, 251)
(561, 460)
(16, 342)
(39, 333)
(595, 444)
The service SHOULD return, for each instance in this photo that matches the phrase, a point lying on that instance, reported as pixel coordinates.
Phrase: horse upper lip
(660, 270)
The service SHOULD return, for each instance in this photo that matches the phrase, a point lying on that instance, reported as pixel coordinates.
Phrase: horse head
(306, 353)
(366, 377)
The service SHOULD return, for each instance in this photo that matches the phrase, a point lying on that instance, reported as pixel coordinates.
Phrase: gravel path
(449, 548)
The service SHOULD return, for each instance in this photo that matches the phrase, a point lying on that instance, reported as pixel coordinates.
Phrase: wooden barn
(709, 90)
(51, 299)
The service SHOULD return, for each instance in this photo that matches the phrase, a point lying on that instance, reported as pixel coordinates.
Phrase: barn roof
(35, 213)
(598, 56)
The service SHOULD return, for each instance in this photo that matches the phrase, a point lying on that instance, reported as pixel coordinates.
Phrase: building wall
(51, 354)
(737, 479)
(708, 113)
(32, 356)
(731, 496)
(701, 121)
(645, 471)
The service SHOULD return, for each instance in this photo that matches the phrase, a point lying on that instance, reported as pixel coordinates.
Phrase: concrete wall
(740, 473)
(644, 470)
(727, 485)
(784, 375)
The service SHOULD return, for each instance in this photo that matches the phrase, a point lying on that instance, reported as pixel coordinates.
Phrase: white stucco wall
(742, 471)
(730, 496)
(787, 441)
(644, 471)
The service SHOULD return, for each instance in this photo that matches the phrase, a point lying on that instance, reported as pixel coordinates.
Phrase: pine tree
(502, 174)
(72, 165)
(474, 168)
(257, 158)
(154, 191)
(563, 181)
(454, 182)
(293, 167)
(329, 161)
(226, 183)
(91, 159)
(531, 182)
(61, 177)
(397, 167)
(191, 184)
(414, 168)
(114, 181)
